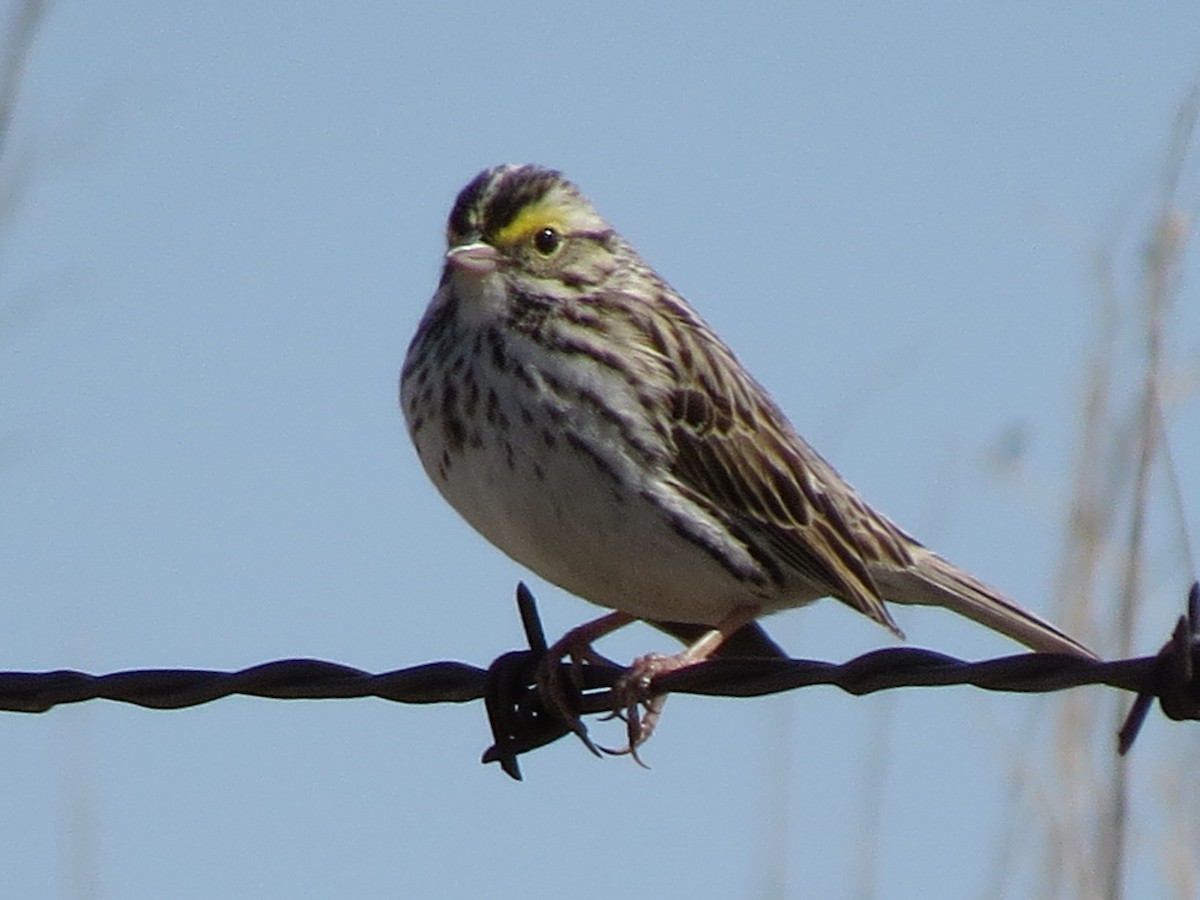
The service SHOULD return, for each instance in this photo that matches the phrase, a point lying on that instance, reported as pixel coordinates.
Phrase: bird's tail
(932, 581)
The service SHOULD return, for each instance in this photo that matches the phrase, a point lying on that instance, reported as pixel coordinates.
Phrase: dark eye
(547, 241)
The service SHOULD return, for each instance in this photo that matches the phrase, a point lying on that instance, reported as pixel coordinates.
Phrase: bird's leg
(576, 646)
(633, 690)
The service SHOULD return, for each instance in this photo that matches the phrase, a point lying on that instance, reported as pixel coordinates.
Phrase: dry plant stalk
(1121, 456)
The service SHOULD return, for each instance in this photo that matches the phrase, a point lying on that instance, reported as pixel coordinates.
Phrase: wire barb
(520, 723)
(1173, 680)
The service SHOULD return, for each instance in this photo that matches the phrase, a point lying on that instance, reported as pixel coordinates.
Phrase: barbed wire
(520, 723)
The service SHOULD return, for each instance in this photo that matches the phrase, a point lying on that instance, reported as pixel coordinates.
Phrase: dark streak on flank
(686, 528)
(586, 449)
(582, 397)
(493, 406)
(456, 435)
(522, 374)
(471, 401)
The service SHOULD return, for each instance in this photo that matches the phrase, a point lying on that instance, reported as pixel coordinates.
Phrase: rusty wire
(520, 723)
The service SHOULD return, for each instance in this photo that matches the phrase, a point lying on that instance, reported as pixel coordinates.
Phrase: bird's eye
(547, 241)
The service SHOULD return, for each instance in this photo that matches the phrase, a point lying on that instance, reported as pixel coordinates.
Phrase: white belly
(593, 521)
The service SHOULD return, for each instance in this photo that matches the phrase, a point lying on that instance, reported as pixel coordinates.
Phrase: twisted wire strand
(519, 723)
(285, 679)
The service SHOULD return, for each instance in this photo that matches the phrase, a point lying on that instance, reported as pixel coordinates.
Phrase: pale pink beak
(477, 258)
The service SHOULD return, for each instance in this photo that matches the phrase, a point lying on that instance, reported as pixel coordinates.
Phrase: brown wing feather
(734, 447)
(735, 454)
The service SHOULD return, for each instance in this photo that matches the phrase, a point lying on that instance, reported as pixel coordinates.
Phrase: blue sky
(229, 222)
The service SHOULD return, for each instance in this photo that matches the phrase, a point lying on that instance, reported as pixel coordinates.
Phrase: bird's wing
(735, 448)
(735, 454)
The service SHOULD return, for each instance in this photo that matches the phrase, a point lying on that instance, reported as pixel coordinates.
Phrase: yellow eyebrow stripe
(530, 219)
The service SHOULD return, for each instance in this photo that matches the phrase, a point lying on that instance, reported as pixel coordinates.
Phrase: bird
(580, 414)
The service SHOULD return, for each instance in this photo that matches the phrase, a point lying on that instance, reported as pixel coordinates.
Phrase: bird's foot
(636, 705)
(560, 687)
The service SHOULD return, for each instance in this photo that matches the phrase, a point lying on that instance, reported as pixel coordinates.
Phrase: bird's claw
(636, 705)
(560, 687)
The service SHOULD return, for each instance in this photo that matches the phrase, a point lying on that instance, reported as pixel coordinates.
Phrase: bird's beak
(477, 258)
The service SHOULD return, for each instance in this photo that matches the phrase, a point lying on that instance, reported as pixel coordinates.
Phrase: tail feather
(932, 581)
